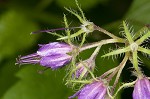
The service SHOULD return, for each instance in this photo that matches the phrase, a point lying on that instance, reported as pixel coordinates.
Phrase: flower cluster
(81, 72)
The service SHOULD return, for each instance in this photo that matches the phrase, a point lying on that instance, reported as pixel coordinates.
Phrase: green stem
(124, 86)
(107, 33)
(108, 72)
(100, 43)
(121, 66)
(135, 63)
(93, 56)
(83, 39)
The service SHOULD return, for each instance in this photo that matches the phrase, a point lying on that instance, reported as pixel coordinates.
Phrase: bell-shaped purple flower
(95, 90)
(83, 67)
(53, 55)
(142, 89)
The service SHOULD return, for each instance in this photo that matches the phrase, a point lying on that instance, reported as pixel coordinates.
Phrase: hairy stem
(106, 32)
(100, 43)
(122, 64)
(119, 70)
(124, 86)
(135, 63)
(108, 72)
(95, 53)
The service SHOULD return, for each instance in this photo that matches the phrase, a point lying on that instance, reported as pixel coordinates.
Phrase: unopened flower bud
(53, 55)
(95, 90)
(142, 89)
(83, 67)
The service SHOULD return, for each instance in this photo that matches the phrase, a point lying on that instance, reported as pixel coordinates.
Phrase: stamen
(29, 56)
(53, 30)
(29, 59)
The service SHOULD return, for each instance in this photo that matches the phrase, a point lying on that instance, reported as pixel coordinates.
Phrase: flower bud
(83, 67)
(53, 55)
(142, 89)
(95, 90)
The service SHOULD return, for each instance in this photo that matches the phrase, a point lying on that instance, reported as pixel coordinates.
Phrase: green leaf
(32, 85)
(43, 4)
(139, 11)
(15, 29)
(7, 77)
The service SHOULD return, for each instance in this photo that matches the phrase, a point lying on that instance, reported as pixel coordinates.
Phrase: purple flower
(95, 90)
(142, 89)
(83, 66)
(53, 55)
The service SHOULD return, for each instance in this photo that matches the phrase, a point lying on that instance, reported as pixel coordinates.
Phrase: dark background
(18, 18)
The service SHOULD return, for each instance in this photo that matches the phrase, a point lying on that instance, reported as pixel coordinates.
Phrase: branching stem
(100, 43)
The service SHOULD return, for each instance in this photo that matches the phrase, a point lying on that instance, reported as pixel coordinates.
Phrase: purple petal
(55, 61)
(95, 90)
(90, 91)
(101, 94)
(79, 71)
(53, 48)
(76, 94)
(142, 89)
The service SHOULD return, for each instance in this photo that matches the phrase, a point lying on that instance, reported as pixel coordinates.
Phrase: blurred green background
(18, 18)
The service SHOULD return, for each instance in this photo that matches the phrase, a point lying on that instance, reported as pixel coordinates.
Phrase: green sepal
(80, 81)
(140, 32)
(67, 31)
(83, 16)
(72, 36)
(144, 37)
(127, 32)
(75, 14)
(83, 39)
(55, 34)
(144, 50)
(119, 51)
